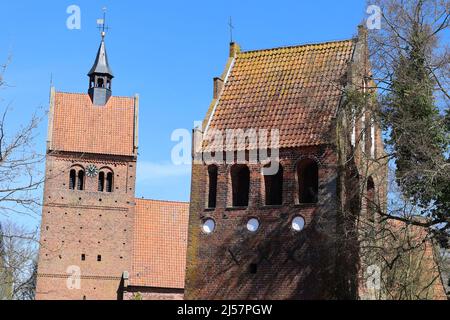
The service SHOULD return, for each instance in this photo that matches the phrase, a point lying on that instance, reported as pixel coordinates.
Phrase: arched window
(274, 188)
(109, 182)
(101, 181)
(212, 185)
(80, 181)
(308, 181)
(72, 179)
(240, 180)
(370, 199)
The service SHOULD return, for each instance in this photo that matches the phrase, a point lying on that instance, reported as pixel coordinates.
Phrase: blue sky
(167, 51)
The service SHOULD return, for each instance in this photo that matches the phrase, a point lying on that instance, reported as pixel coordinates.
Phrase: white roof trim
(218, 99)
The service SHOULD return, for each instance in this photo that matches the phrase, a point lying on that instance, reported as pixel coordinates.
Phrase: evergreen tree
(417, 130)
(411, 63)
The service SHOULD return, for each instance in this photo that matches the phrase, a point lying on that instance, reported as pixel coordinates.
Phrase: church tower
(89, 192)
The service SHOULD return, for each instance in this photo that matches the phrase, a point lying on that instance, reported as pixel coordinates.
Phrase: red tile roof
(160, 243)
(294, 89)
(79, 126)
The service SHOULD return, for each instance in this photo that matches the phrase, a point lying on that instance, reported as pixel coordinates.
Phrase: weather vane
(230, 24)
(101, 23)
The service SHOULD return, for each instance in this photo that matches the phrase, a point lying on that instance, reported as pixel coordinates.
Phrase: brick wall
(290, 265)
(85, 222)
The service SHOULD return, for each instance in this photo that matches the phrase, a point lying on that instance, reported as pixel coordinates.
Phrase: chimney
(234, 49)
(362, 33)
(218, 86)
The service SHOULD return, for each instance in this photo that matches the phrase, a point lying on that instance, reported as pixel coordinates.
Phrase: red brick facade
(86, 235)
(297, 90)
(290, 265)
(97, 241)
(88, 223)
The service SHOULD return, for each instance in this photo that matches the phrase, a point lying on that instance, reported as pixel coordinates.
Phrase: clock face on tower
(91, 171)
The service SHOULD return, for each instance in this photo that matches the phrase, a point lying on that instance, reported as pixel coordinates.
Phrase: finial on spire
(101, 24)
(230, 25)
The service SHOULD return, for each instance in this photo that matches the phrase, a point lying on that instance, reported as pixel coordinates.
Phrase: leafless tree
(408, 96)
(19, 163)
(18, 262)
(20, 182)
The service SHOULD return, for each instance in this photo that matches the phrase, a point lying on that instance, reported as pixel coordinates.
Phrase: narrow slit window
(72, 179)
(212, 194)
(80, 181)
(109, 182)
(373, 139)
(363, 131)
(370, 205)
(353, 134)
(101, 181)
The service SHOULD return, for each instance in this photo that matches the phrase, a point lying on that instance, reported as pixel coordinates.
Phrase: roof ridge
(165, 201)
(85, 94)
(298, 46)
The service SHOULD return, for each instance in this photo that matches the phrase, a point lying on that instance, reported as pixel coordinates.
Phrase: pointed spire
(101, 65)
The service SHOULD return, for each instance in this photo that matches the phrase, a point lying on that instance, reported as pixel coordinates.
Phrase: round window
(298, 224)
(208, 226)
(253, 225)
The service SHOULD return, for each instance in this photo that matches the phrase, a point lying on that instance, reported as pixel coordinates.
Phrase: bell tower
(88, 210)
(100, 75)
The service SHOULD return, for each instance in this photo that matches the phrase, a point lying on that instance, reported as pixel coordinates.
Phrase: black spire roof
(101, 65)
